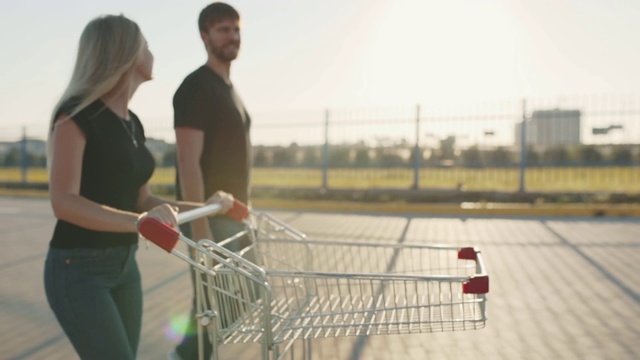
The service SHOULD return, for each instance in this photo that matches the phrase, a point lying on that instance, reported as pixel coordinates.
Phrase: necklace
(132, 132)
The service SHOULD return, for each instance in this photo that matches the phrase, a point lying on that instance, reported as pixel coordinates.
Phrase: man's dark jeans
(222, 228)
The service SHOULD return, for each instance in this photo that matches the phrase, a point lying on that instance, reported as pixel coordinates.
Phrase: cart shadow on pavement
(607, 274)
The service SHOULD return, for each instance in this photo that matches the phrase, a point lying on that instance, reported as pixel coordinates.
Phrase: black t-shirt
(205, 102)
(113, 170)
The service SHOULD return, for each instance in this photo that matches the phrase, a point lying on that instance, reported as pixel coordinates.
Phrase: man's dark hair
(214, 13)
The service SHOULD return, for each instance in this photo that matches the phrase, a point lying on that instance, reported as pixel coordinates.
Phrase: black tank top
(113, 170)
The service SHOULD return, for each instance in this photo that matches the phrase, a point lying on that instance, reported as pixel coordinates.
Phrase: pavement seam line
(624, 288)
(356, 352)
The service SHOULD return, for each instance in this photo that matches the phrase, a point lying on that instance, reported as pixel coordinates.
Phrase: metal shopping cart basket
(282, 287)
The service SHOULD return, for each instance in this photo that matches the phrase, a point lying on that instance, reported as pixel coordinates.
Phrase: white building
(551, 127)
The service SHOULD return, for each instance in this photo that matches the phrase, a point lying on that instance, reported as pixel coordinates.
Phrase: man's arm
(189, 145)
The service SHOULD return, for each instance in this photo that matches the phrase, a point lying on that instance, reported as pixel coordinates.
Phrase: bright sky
(310, 55)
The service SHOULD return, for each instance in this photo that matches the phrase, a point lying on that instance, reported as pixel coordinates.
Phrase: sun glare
(440, 52)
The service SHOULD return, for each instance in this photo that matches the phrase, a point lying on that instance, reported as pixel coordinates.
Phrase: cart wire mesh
(284, 287)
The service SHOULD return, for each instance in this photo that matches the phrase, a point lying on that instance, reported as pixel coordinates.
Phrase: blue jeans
(222, 228)
(96, 295)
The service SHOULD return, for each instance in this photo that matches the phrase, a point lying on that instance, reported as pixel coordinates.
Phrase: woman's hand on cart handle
(164, 213)
(164, 233)
(222, 198)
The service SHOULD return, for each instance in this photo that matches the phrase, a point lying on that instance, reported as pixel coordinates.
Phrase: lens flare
(176, 328)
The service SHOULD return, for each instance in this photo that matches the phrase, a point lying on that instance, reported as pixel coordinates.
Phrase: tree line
(403, 155)
(360, 156)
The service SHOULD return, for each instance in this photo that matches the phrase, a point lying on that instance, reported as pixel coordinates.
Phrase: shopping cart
(283, 287)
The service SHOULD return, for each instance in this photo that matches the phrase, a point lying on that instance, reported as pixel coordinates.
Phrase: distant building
(551, 127)
(159, 148)
(33, 146)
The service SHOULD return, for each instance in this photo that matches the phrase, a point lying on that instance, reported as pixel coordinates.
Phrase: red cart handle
(479, 283)
(167, 237)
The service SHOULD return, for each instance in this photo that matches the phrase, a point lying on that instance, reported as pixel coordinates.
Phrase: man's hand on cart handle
(222, 198)
(231, 207)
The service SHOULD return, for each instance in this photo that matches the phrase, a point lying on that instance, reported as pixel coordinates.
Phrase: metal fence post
(325, 164)
(416, 152)
(523, 147)
(24, 158)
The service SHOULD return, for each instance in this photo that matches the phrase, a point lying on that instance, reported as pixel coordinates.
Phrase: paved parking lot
(561, 288)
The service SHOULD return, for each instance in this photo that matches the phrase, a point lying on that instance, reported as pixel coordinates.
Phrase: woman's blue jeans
(96, 295)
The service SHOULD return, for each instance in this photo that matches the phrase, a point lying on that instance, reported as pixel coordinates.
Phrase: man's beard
(221, 54)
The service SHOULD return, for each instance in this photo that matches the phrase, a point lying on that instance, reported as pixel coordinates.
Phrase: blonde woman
(99, 169)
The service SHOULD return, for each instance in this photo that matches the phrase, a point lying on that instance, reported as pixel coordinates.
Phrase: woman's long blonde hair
(109, 47)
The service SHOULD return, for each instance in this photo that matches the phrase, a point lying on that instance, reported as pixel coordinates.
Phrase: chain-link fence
(561, 144)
